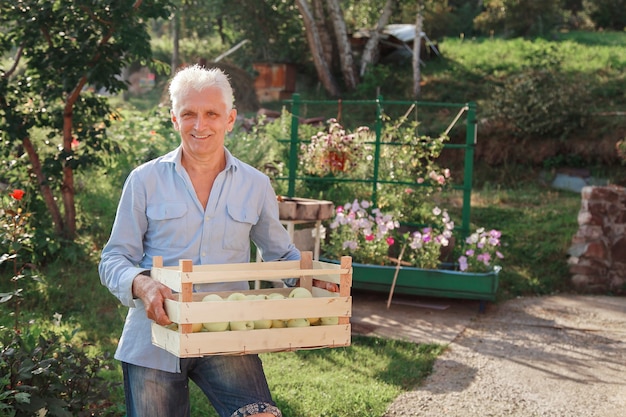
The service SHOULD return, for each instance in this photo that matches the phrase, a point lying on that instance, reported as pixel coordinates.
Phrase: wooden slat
(243, 310)
(171, 278)
(247, 274)
(251, 341)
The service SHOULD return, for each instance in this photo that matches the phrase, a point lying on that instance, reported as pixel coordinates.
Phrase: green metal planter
(428, 282)
(431, 282)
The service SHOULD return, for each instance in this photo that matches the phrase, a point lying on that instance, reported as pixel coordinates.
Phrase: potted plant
(369, 236)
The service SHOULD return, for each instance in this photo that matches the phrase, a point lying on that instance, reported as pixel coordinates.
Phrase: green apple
(242, 325)
(300, 292)
(217, 326)
(262, 324)
(329, 321)
(275, 296)
(298, 323)
(277, 324)
(261, 297)
(236, 296)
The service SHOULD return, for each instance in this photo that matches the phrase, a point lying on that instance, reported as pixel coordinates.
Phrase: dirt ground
(556, 356)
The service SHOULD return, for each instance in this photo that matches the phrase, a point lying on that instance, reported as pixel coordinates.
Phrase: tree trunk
(315, 46)
(328, 46)
(417, 43)
(67, 186)
(175, 42)
(44, 187)
(343, 44)
(370, 53)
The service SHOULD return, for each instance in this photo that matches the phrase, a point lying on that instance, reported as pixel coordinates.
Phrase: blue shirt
(160, 214)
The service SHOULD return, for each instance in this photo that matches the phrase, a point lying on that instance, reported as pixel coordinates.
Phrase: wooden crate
(295, 208)
(190, 309)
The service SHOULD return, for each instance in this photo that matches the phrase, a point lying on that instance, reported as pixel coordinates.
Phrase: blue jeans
(235, 385)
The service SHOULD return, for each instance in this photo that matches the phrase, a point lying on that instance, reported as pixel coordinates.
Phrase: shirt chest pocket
(239, 221)
(167, 225)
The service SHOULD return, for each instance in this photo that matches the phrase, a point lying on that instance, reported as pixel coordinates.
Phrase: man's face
(203, 121)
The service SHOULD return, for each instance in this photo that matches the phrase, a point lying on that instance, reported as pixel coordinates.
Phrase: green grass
(355, 381)
(471, 67)
(538, 224)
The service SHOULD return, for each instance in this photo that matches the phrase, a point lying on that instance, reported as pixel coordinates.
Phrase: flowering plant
(426, 244)
(334, 151)
(481, 249)
(367, 234)
(362, 231)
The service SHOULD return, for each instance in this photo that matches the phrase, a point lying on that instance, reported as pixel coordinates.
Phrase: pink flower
(369, 238)
(463, 263)
(390, 241)
(75, 143)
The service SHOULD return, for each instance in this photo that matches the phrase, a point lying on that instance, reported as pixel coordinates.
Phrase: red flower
(369, 238)
(17, 194)
(390, 241)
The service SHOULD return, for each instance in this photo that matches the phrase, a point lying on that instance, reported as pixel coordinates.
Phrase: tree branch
(18, 56)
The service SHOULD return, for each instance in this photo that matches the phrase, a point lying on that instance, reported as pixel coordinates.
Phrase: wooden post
(186, 296)
(306, 262)
(345, 283)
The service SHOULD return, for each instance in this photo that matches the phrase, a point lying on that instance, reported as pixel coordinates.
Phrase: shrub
(519, 17)
(43, 374)
(539, 100)
(40, 374)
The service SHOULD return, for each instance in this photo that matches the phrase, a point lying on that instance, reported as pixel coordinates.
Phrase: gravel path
(558, 356)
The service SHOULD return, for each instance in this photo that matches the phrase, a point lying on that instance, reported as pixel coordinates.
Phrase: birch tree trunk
(371, 51)
(328, 46)
(315, 46)
(417, 43)
(175, 42)
(343, 44)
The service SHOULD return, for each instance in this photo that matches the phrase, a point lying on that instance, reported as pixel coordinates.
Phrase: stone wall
(598, 252)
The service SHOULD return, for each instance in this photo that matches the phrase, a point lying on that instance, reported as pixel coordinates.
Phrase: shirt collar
(175, 157)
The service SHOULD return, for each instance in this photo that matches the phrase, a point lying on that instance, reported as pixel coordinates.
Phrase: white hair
(198, 78)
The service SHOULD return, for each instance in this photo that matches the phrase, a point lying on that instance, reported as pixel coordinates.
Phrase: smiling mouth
(201, 136)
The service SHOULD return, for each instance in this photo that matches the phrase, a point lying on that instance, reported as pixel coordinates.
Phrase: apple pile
(298, 292)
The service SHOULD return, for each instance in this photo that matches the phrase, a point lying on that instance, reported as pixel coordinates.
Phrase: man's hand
(153, 295)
